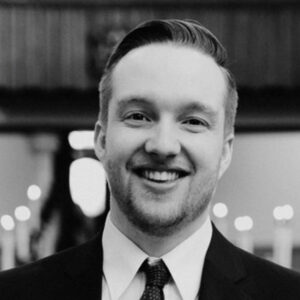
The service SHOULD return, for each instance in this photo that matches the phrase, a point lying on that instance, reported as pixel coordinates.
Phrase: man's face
(164, 147)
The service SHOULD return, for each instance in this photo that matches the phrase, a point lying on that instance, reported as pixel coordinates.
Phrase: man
(164, 136)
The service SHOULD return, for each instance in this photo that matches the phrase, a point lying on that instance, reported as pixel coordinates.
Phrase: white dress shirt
(122, 260)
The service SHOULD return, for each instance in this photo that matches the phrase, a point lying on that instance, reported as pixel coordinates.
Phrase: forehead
(169, 72)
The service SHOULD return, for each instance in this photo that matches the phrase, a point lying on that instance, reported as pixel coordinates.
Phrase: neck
(157, 246)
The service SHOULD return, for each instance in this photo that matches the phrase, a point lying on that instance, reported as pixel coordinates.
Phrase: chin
(154, 226)
(158, 220)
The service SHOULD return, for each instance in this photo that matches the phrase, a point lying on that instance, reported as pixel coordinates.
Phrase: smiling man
(164, 144)
(164, 135)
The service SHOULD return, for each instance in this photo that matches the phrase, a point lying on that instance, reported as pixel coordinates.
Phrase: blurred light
(285, 212)
(34, 192)
(288, 212)
(22, 213)
(7, 222)
(80, 140)
(244, 223)
(220, 210)
(88, 185)
(277, 213)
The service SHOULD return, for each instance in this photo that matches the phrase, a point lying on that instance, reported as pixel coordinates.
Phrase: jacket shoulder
(270, 279)
(53, 277)
(256, 277)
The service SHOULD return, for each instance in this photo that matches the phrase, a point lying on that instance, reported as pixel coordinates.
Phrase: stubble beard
(151, 218)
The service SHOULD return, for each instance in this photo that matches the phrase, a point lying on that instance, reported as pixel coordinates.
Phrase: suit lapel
(222, 271)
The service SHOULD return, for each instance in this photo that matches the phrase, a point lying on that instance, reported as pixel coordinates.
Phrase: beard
(150, 213)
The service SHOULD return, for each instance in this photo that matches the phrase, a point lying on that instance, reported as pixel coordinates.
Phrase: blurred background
(53, 193)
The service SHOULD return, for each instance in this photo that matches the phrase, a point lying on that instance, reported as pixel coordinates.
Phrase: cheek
(205, 153)
(122, 143)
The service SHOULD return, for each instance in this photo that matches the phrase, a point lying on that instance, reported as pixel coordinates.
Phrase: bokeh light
(22, 213)
(88, 185)
(283, 213)
(80, 140)
(7, 222)
(220, 210)
(244, 223)
(34, 192)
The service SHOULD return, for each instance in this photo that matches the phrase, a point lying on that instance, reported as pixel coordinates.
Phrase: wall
(17, 171)
(265, 173)
(24, 160)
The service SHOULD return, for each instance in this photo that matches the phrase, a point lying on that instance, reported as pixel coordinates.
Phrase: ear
(226, 154)
(99, 140)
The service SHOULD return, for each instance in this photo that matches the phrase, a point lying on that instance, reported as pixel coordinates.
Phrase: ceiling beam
(268, 109)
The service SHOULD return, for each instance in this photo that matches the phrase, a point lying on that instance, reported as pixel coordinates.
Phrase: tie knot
(157, 274)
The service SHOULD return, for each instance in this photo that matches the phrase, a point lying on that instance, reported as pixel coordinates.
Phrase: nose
(163, 141)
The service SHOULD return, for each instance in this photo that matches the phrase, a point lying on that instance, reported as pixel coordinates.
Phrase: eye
(136, 118)
(195, 124)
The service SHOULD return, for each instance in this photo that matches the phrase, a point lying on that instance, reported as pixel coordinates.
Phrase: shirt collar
(185, 262)
(180, 261)
(122, 259)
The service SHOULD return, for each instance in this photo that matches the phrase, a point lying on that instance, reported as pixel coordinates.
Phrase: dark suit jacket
(229, 273)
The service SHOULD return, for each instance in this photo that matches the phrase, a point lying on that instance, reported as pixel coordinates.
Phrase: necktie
(157, 275)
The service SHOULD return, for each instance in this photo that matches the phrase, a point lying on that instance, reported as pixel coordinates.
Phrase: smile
(160, 176)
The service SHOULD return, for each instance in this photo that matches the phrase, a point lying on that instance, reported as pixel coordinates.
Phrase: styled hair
(188, 33)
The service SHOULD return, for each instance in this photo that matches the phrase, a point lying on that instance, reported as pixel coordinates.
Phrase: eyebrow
(131, 101)
(192, 106)
(199, 107)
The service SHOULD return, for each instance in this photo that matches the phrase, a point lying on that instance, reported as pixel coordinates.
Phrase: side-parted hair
(179, 32)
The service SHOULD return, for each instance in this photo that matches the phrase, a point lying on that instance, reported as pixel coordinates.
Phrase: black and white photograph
(149, 149)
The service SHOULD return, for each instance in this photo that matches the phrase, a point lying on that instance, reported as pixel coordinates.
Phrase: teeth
(161, 176)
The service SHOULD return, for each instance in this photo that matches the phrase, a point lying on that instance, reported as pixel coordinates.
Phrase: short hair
(188, 33)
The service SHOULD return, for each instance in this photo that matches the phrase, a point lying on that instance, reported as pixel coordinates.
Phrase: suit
(229, 273)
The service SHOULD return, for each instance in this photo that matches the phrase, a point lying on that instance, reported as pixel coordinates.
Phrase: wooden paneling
(5, 47)
(46, 46)
(135, 3)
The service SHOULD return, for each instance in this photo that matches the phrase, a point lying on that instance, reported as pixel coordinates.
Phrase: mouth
(160, 176)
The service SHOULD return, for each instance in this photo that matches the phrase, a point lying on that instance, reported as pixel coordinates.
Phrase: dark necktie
(157, 275)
